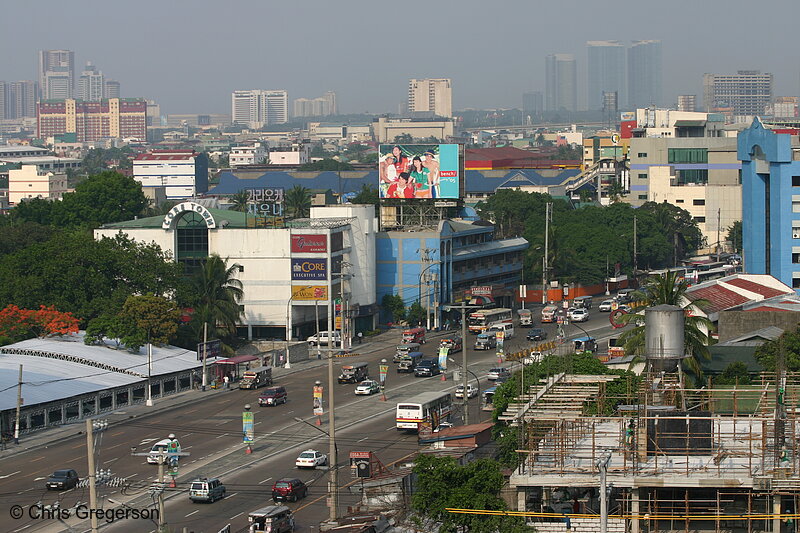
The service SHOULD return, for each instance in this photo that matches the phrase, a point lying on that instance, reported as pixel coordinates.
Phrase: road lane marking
(146, 441)
(193, 512)
(390, 428)
(188, 434)
(231, 495)
(117, 433)
(234, 516)
(81, 445)
(262, 482)
(11, 474)
(220, 436)
(40, 478)
(132, 475)
(223, 422)
(362, 440)
(21, 528)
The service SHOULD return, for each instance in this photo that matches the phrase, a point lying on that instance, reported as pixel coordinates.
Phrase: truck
(256, 377)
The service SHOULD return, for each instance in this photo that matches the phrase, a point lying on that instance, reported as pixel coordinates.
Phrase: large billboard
(309, 269)
(409, 171)
(309, 293)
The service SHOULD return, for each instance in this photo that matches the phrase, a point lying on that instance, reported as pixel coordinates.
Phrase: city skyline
(198, 75)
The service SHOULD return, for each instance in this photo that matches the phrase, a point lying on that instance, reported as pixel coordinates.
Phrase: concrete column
(635, 510)
(776, 510)
(521, 499)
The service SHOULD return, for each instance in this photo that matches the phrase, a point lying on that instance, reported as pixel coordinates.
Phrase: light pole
(427, 293)
(293, 290)
(477, 381)
(465, 381)
(602, 465)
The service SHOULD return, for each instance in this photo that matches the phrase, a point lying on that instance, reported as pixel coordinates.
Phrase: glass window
(192, 239)
(699, 201)
(795, 181)
(642, 197)
(687, 155)
(642, 176)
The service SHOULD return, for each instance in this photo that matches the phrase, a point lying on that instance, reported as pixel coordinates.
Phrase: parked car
(324, 339)
(62, 480)
(536, 334)
(496, 373)
(272, 396)
(605, 306)
(368, 387)
(426, 368)
(206, 490)
(311, 459)
(472, 391)
(289, 489)
(579, 315)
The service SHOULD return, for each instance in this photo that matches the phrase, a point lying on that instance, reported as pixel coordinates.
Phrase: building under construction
(671, 458)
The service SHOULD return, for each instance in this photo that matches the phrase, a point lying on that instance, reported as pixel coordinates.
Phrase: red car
(289, 489)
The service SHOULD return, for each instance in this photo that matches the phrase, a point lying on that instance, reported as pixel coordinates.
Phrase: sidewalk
(45, 437)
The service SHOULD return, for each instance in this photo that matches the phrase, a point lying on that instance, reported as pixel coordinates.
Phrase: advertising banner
(248, 427)
(318, 400)
(411, 171)
(309, 244)
(309, 269)
(309, 294)
(443, 350)
(501, 337)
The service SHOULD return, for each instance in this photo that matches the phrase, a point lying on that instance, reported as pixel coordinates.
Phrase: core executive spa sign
(309, 269)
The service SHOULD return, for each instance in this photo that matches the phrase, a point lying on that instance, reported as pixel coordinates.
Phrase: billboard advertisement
(309, 293)
(309, 243)
(309, 269)
(409, 171)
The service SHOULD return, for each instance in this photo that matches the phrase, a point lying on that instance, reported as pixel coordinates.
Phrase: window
(699, 201)
(687, 155)
(642, 197)
(641, 154)
(795, 229)
(697, 176)
(241, 268)
(678, 201)
(796, 280)
(796, 258)
(642, 176)
(700, 220)
(795, 181)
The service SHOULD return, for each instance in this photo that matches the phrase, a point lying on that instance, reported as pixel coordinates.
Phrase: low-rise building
(31, 181)
(182, 173)
(252, 154)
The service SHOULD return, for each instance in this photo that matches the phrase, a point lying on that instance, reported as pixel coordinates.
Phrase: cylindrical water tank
(664, 333)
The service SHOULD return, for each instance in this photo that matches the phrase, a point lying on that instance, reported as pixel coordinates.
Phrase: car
(497, 373)
(272, 396)
(323, 338)
(626, 308)
(579, 315)
(289, 489)
(471, 391)
(311, 459)
(426, 368)
(368, 387)
(536, 334)
(62, 480)
(206, 490)
(605, 306)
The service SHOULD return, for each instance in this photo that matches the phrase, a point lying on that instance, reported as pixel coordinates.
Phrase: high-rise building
(561, 83)
(18, 99)
(687, 102)
(56, 74)
(532, 105)
(3, 92)
(431, 95)
(111, 89)
(606, 72)
(747, 93)
(91, 84)
(92, 121)
(257, 108)
(644, 74)
(315, 107)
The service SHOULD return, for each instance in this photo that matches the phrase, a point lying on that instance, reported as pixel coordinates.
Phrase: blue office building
(771, 203)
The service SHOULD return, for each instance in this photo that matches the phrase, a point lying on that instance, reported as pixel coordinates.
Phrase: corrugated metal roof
(758, 288)
(492, 247)
(719, 298)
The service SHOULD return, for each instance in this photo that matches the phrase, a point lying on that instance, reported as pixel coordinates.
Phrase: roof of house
(718, 297)
(167, 155)
(754, 338)
(738, 290)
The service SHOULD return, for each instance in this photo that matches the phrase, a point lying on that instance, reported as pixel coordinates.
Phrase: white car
(605, 306)
(368, 387)
(472, 391)
(579, 315)
(495, 374)
(311, 459)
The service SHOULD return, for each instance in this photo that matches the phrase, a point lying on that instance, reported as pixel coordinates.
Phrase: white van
(324, 339)
(506, 327)
(159, 450)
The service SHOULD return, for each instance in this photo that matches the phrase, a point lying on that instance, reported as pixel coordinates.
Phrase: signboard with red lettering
(309, 244)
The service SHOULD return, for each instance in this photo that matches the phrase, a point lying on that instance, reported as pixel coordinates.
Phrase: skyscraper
(111, 89)
(257, 108)
(606, 72)
(315, 107)
(433, 95)
(686, 102)
(56, 73)
(532, 105)
(91, 84)
(561, 83)
(18, 99)
(644, 74)
(747, 93)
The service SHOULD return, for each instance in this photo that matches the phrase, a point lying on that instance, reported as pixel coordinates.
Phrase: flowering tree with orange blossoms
(18, 324)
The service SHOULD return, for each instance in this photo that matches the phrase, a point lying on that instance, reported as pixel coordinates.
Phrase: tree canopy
(789, 342)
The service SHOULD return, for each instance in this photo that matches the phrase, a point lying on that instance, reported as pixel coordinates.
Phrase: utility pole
(546, 260)
(602, 465)
(158, 488)
(464, 379)
(19, 406)
(635, 254)
(719, 213)
(92, 472)
(205, 351)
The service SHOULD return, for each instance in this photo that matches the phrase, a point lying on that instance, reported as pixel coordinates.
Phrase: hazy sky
(190, 55)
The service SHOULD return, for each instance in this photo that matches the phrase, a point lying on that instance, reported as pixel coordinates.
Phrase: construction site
(658, 455)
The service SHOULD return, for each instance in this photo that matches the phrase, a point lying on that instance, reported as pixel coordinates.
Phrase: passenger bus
(428, 409)
(525, 317)
(549, 313)
(479, 321)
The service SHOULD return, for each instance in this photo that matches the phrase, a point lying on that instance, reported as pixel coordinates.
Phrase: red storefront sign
(309, 243)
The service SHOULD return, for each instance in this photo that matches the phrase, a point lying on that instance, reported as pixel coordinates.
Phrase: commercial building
(561, 83)
(91, 84)
(532, 106)
(386, 129)
(257, 108)
(687, 102)
(253, 154)
(606, 72)
(18, 99)
(56, 74)
(288, 274)
(111, 89)
(746, 93)
(180, 173)
(322, 106)
(92, 121)
(644, 74)
(31, 181)
(296, 154)
(431, 95)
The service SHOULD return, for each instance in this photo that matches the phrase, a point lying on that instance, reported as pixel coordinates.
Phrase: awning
(236, 360)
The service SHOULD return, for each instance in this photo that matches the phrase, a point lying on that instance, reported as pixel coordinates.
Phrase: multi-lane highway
(210, 430)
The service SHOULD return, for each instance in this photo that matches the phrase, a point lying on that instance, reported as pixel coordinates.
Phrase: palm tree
(239, 201)
(218, 294)
(298, 202)
(668, 289)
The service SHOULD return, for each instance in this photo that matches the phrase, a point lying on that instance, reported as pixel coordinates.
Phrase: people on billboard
(401, 188)
(433, 173)
(419, 176)
(401, 161)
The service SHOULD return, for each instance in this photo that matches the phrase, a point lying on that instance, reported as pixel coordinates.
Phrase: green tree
(789, 342)
(416, 314)
(152, 319)
(442, 483)
(217, 293)
(735, 373)
(403, 138)
(679, 225)
(669, 289)
(393, 304)
(367, 195)
(734, 236)
(298, 202)
(239, 201)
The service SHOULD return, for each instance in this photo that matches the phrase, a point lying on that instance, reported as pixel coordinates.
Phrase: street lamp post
(427, 293)
(477, 381)
(465, 381)
(292, 292)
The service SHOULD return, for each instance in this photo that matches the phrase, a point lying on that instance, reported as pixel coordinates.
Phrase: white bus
(479, 321)
(428, 409)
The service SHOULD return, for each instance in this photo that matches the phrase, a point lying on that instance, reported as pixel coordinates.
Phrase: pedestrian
(227, 381)
(360, 337)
